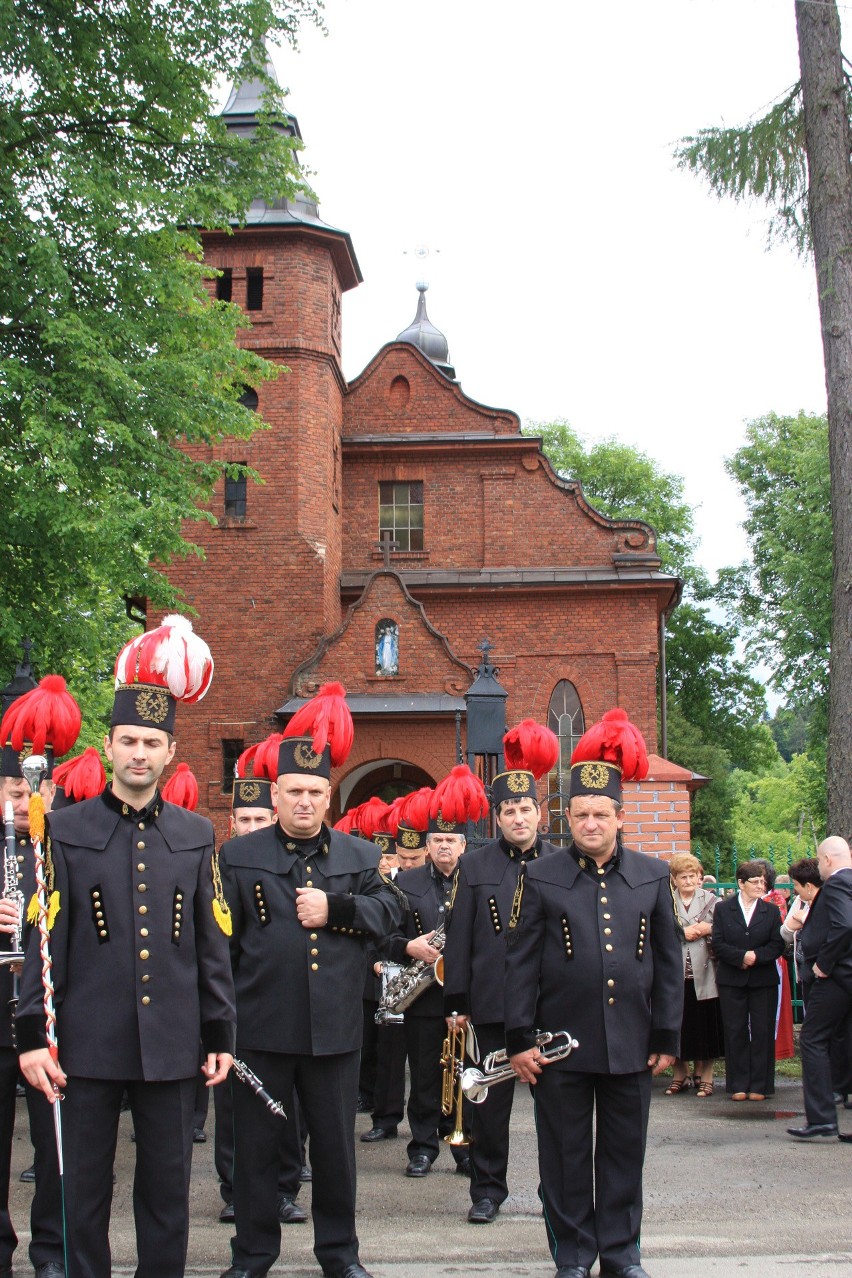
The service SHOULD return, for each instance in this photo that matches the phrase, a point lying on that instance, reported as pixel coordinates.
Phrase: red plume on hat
(614, 739)
(182, 788)
(328, 720)
(349, 821)
(45, 716)
(414, 809)
(530, 747)
(172, 657)
(82, 777)
(262, 757)
(372, 816)
(460, 796)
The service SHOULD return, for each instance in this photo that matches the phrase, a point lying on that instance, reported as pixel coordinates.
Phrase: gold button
(600, 871)
(143, 954)
(141, 825)
(309, 883)
(611, 984)
(608, 947)
(145, 978)
(313, 936)
(99, 914)
(143, 909)
(141, 888)
(607, 916)
(140, 866)
(140, 844)
(603, 887)
(145, 1000)
(20, 860)
(178, 896)
(102, 933)
(314, 953)
(177, 933)
(603, 900)
(607, 931)
(611, 1001)
(315, 967)
(143, 931)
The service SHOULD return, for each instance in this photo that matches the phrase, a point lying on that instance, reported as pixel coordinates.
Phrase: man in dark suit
(304, 902)
(746, 941)
(825, 950)
(594, 953)
(141, 971)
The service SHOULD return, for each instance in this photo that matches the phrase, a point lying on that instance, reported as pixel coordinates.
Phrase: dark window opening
(254, 288)
(564, 717)
(235, 495)
(231, 751)
(401, 513)
(224, 285)
(248, 399)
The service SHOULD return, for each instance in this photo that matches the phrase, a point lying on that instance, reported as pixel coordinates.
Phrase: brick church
(400, 525)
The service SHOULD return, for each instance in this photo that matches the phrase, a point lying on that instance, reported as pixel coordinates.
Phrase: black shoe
(234, 1272)
(50, 1269)
(289, 1211)
(846, 1137)
(365, 1104)
(28, 1175)
(418, 1166)
(826, 1131)
(838, 1098)
(351, 1271)
(378, 1133)
(629, 1271)
(199, 1136)
(305, 1175)
(226, 1215)
(463, 1167)
(483, 1212)
(574, 1271)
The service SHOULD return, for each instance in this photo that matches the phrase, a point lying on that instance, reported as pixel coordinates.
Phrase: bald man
(826, 965)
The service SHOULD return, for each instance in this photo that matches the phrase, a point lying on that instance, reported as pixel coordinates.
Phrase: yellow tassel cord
(36, 814)
(53, 908)
(32, 910)
(221, 909)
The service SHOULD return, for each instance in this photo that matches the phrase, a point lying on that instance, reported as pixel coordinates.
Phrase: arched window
(387, 647)
(565, 718)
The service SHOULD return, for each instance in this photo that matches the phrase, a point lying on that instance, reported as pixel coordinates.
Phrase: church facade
(401, 533)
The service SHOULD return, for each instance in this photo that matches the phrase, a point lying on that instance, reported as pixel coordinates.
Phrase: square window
(401, 513)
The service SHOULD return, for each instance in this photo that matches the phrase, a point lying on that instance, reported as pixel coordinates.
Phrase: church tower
(278, 541)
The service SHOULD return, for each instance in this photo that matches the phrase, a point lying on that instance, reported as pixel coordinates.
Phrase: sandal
(704, 1089)
(678, 1085)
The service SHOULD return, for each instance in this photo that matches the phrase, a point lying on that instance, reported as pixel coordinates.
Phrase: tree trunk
(830, 207)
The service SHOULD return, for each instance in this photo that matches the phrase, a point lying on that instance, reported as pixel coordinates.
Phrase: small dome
(423, 334)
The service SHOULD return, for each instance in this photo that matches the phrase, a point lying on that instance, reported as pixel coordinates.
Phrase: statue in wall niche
(387, 647)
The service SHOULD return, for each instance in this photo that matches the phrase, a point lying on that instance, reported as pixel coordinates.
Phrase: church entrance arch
(385, 778)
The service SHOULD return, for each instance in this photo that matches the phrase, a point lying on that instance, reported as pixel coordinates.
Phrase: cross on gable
(386, 545)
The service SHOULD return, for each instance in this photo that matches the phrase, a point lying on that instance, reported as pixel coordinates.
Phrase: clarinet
(13, 956)
(245, 1075)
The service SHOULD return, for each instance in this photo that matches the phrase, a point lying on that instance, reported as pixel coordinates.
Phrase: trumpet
(452, 1062)
(474, 1083)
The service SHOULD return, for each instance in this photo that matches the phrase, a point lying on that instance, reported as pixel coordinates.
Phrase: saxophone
(400, 991)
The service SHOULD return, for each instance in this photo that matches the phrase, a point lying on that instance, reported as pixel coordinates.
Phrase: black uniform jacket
(597, 955)
(826, 938)
(476, 939)
(427, 909)
(140, 966)
(299, 990)
(731, 939)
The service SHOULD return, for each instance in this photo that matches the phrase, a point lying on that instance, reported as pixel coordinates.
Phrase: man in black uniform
(304, 900)
(484, 915)
(140, 967)
(253, 808)
(595, 953)
(429, 892)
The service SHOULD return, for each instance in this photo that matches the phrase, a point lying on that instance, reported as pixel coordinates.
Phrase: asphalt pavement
(727, 1192)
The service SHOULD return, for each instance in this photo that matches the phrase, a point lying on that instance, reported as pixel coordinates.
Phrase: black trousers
(591, 1148)
(489, 1127)
(828, 1005)
(748, 1015)
(8, 1083)
(327, 1087)
(162, 1120)
(389, 1092)
(291, 1142)
(424, 1037)
(47, 1242)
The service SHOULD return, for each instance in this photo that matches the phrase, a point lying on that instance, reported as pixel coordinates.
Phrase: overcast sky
(576, 273)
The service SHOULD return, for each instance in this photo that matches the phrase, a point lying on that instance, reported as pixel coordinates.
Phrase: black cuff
(458, 1003)
(664, 1042)
(219, 1036)
(520, 1040)
(30, 1033)
(396, 952)
(341, 910)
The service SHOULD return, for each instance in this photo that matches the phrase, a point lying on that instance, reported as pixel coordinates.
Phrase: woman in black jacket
(746, 941)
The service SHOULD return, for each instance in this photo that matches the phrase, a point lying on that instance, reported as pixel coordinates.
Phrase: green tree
(782, 810)
(782, 596)
(111, 354)
(790, 727)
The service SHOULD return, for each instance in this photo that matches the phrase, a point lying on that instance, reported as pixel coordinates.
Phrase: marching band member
(595, 953)
(474, 958)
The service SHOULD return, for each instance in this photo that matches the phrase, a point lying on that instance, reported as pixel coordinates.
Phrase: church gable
(385, 646)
